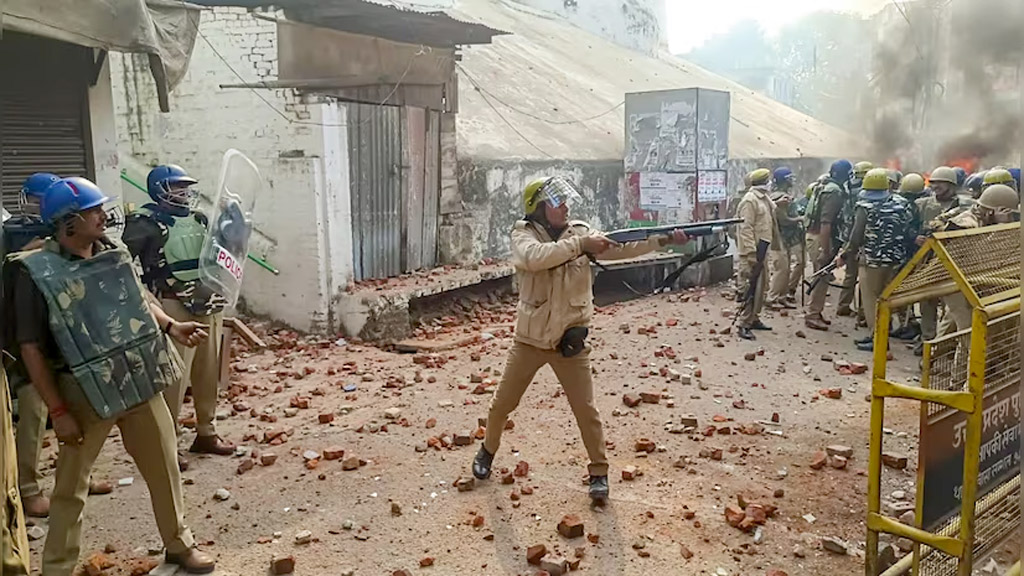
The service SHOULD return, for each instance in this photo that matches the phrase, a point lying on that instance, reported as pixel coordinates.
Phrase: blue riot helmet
(783, 178)
(172, 189)
(1015, 172)
(70, 196)
(840, 171)
(34, 187)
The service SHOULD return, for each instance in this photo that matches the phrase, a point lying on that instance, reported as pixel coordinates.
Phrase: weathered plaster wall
(301, 219)
(492, 195)
(103, 129)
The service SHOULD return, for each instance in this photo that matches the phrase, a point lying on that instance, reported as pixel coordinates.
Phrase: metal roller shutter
(44, 124)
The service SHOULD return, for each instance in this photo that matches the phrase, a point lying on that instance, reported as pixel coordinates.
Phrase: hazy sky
(691, 22)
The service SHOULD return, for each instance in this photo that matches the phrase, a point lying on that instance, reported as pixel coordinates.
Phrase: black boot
(598, 488)
(758, 325)
(745, 333)
(482, 464)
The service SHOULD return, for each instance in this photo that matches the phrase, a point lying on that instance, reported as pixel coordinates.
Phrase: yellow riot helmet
(998, 176)
(554, 190)
(759, 177)
(860, 169)
(912, 184)
(876, 179)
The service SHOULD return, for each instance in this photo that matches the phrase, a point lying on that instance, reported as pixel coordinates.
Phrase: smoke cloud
(945, 83)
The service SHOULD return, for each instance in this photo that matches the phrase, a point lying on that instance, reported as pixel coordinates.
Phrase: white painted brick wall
(205, 120)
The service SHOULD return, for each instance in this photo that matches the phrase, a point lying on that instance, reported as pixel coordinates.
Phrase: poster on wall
(712, 186)
(664, 190)
(661, 131)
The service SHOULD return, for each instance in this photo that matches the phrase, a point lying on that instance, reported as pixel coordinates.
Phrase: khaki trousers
(147, 432)
(958, 315)
(816, 252)
(750, 313)
(787, 266)
(202, 369)
(13, 538)
(846, 295)
(872, 283)
(32, 414)
(573, 374)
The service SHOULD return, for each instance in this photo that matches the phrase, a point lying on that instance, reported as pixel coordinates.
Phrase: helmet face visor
(181, 195)
(559, 191)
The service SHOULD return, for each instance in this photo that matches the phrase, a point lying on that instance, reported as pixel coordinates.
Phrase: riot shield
(222, 261)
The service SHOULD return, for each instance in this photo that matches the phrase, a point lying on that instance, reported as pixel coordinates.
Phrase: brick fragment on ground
(535, 553)
(819, 460)
(571, 526)
(281, 565)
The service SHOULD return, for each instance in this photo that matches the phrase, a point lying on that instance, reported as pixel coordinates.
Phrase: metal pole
(1020, 93)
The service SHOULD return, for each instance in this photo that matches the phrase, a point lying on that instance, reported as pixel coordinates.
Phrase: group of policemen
(869, 221)
(98, 333)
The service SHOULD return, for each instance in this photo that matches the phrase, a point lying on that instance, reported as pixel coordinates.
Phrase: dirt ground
(400, 506)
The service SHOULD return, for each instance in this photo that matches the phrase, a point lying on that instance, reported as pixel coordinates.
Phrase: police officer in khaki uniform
(934, 210)
(824, 235)
(31, 425)
(787, 264)
(13, 540)
(550, 255)
(758, 234)
(90, 338)
(166, 236)
(998, 204)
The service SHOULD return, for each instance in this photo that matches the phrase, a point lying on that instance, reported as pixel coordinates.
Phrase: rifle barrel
(692, 229)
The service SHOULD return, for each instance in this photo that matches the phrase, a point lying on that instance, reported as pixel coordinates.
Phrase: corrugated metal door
(395, 165)
(44, 118)
(376, 171)
(422, 146)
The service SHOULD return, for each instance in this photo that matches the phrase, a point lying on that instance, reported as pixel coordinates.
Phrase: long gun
(755, 277)
(692, 230)
(812, 281)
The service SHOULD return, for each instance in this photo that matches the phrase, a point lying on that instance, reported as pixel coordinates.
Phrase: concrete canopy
(560, 87)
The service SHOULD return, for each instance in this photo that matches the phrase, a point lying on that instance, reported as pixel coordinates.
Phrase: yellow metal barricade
(969, 458)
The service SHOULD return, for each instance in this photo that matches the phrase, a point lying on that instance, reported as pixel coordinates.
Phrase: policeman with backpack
(881, 228)
(166, 237)
(824, 223)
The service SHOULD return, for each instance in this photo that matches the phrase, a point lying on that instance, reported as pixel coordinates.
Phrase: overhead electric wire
(422, 50)
(480, 88)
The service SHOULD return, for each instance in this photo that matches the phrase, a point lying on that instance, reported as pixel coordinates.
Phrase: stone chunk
(631, 400)
(839, 450)
(282, 565)
(894, 460)
(650, 397)
(834, 545)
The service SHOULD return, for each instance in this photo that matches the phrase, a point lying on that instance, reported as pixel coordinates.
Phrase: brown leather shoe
(212, 445)
(36, 506)
(816, 323)
(192, 561)
(844, 311)
(99, 487)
